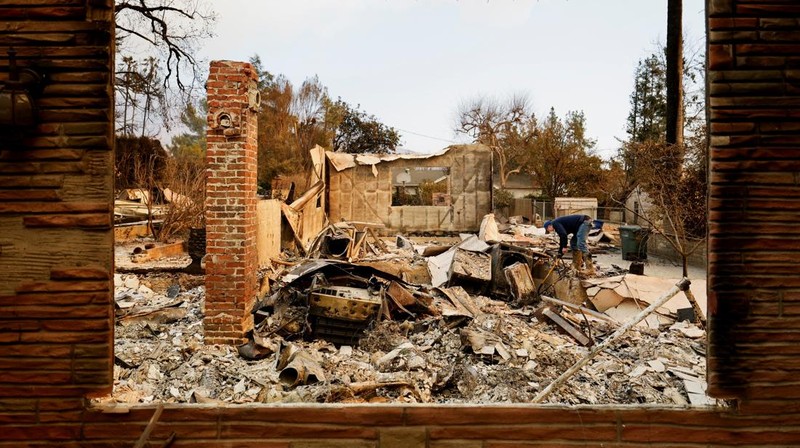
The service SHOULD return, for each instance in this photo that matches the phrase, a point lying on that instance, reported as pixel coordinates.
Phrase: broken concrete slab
(569, 289)
(627, 309)
(688, 330)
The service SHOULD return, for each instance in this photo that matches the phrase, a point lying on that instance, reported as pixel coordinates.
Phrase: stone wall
(231, 163)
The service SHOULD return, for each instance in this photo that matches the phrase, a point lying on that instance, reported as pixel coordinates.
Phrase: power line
(426, 136)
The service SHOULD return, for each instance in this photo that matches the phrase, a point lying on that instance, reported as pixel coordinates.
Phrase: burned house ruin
(57, 319)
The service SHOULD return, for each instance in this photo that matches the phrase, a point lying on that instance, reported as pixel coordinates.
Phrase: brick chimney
(231, 164)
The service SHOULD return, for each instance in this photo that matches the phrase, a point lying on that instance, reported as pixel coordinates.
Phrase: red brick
(654, 434)
(48, 405)
(28, 312)
(19, 325)
(29, 195)
(37, 377)
(61, 417)
(19, 418)
(258, 443)
(35, 364)
(77, 325)
(53, 207)
(588, 433)
(49, 432)
(231, 185)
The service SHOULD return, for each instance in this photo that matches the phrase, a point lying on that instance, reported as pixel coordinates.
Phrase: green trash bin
(634, 242)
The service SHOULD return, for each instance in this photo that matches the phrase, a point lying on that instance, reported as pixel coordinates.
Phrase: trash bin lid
(632, 228)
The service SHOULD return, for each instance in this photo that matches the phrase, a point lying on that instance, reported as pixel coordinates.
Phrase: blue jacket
(565, 225)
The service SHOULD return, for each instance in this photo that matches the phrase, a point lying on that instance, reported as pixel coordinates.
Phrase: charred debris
(488, 318)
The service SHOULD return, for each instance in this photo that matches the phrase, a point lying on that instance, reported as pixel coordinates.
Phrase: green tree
(192, 143)
(647, 118)
(277, 152)
(672, 174)
(559, 156)
(293, 120)
(359, 132)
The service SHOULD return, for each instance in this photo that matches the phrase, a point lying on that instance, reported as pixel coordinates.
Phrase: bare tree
(173, 27)
(677, 200)
(162, 36)
(498, 126)
(184, 190)
(139, 91)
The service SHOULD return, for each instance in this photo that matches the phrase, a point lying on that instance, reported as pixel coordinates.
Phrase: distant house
(521, 185)
(575, 206)
(637, 204)
(408, 180)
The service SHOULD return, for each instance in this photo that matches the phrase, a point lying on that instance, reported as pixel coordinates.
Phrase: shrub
(502, 199)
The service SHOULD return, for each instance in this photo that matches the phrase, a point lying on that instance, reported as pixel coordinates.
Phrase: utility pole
(675, 72)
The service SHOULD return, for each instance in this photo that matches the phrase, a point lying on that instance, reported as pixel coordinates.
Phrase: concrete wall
(658, 245)
(356, 194)
(55, 321)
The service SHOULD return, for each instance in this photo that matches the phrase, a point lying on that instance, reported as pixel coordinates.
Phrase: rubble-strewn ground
(160, 357)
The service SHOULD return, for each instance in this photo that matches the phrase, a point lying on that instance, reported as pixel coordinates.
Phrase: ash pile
(488, 318)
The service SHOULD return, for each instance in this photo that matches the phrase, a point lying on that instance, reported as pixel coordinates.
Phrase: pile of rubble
(493, 318)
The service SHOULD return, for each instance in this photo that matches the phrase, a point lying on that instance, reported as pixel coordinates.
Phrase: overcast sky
(412, 62)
